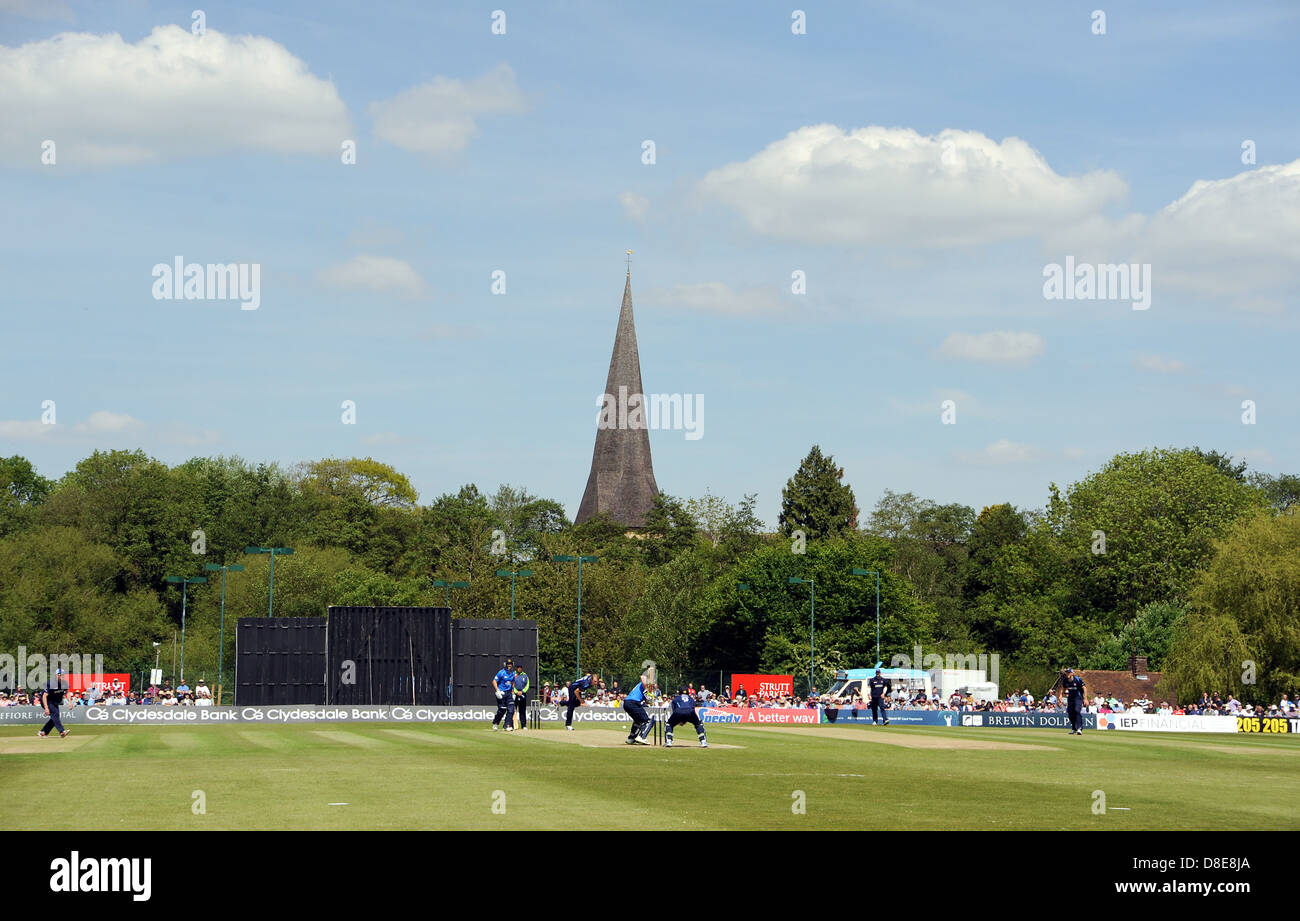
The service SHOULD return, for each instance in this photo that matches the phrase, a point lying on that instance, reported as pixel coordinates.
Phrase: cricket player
(879, 687)
(683, 706)
(634, 706)
(1073, 700)
(520, 691)
(503, 683)
(574, 692)
(51, 698)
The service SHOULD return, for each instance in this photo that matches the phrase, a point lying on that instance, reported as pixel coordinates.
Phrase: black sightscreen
(388, 655)
(279, 660)
(481, 649)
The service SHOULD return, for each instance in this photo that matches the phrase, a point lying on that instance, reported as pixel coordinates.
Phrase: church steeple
(622, 479)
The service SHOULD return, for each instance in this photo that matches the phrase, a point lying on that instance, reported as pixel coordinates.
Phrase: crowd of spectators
(613, 696)
(115, 695)
(901, 698)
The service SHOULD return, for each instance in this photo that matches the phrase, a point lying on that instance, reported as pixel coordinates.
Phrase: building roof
(1126, 686)
(621, 483)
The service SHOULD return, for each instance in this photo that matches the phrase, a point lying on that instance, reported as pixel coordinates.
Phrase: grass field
(446, 777)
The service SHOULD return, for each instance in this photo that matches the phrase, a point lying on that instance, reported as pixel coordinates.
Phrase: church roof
(622, 479)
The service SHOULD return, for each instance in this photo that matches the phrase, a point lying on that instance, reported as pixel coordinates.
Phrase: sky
(842, 216)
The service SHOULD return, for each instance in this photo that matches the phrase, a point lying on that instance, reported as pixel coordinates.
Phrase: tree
(22, 489)
(1252, 584)
(133, 504)
(377, 483)
(1224, 463)
(1149, 634)
(1160, 512)
(1206, 656)
(1282, 491)
(815, 500)
(669, 529)
(525, 520)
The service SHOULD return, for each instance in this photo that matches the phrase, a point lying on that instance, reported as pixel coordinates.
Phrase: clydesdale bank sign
(296, 713)
(311, 713)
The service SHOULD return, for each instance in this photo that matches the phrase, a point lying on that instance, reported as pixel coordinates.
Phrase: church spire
(622, 479)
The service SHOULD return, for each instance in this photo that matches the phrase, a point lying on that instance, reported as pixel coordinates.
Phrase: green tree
(669, 529)
(1253, 582)
(133, 504)
(1160, 512)
(815, 500)
(22, 489)
(1282, 491)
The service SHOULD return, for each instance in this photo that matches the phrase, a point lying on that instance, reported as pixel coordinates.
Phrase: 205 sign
(1270, 724)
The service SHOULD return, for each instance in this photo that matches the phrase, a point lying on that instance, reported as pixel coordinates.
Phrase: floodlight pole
(876, 573)
(512, 574)
(564, 558)
(274, 552)
(185, 584)
(221, 649)
(812, 627)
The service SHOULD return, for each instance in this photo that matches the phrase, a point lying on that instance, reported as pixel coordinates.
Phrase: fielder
(634, 706)
(684, 712)
(1074, 700)
(503, 683)
(50, 699)
(879, 687)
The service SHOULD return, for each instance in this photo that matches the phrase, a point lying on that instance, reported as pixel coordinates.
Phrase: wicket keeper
(683, 707)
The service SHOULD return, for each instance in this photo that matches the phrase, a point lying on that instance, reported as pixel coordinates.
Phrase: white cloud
(25, 429)
(381, 274)
(1159, 364)
(1235, 238)
(716, 297)
(999, 347)
(99, 423)
(171, 94)
(1003, 452)
(439, 117)
(634, 206)
(104, 421)
(385, 440)
(874, 185)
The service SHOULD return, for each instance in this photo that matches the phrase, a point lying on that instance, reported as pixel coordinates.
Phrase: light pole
(511, 574)
(564, 558)
(274, 551)
(812, 626)
(873, 572)
(221, 649)
(448, 586)
(185, 582)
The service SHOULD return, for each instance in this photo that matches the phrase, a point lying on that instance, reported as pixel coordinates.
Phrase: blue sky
(920, 163)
